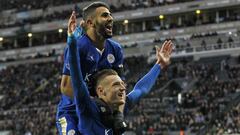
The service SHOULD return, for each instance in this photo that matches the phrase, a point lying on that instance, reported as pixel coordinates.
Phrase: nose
(123, 87)
(110, 18)
(122, 90)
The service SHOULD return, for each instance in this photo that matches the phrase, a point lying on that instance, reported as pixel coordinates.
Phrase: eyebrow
(106, 13)
(118, 83)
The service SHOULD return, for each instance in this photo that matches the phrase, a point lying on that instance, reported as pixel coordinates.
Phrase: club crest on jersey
(103, 109)
(71, 132)
(110, 58)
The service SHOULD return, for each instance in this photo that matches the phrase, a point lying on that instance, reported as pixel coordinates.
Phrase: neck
(96, 38)
(112, 106)
(115, 107)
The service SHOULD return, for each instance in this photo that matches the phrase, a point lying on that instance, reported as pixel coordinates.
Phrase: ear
(100, 91)
(104, 93)
(89, 22)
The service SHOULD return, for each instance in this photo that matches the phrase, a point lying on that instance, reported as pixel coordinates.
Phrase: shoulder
(82, 40)
(114, 43)
(78, 32)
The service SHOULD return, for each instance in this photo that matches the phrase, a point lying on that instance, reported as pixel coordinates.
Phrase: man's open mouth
(109, 27)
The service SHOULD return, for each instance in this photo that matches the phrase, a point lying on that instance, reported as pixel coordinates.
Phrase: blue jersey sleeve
(81, 95)
(71, 40)
(66, 67)
(143, 86)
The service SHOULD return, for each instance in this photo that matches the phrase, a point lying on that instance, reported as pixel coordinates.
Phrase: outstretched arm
(145, 84)
(80, 90)
(74, 32)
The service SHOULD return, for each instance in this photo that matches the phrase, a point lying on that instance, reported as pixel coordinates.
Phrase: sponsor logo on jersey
(110, 58)
(87, 77)
(68, 66)
(107, 131)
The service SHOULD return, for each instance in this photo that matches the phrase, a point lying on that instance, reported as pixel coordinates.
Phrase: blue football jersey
(88, 112)
(92, 60)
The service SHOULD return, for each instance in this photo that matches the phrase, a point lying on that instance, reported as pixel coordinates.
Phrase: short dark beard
(100, 30)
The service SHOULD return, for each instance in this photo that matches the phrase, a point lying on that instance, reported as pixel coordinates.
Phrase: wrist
(161, 65)
(70, 34)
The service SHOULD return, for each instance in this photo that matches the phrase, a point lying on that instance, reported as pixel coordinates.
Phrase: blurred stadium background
(199, 94)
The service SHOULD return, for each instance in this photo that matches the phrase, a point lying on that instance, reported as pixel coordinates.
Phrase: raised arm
(81, 94)
(74, 32)
(145, 84)
(80, 89)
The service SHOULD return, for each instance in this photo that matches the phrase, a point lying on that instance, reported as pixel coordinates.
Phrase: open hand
(163, 54)
(72, 23)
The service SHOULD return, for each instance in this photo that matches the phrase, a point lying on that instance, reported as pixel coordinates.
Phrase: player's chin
(120, 102)
(108, 34)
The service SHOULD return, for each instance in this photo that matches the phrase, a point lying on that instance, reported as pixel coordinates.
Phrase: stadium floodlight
(1, 39)
(198, 12)
(125, 22)
(60, 30)
(161, 17)
(29, 35)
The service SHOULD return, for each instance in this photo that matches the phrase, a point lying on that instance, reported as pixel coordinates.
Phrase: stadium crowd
(162, 113)
(26, 5)
(22, 6)
(198, 108)
(19, 81)
(29, 93)
(56, 15)
(229, 124)
(135, 4)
